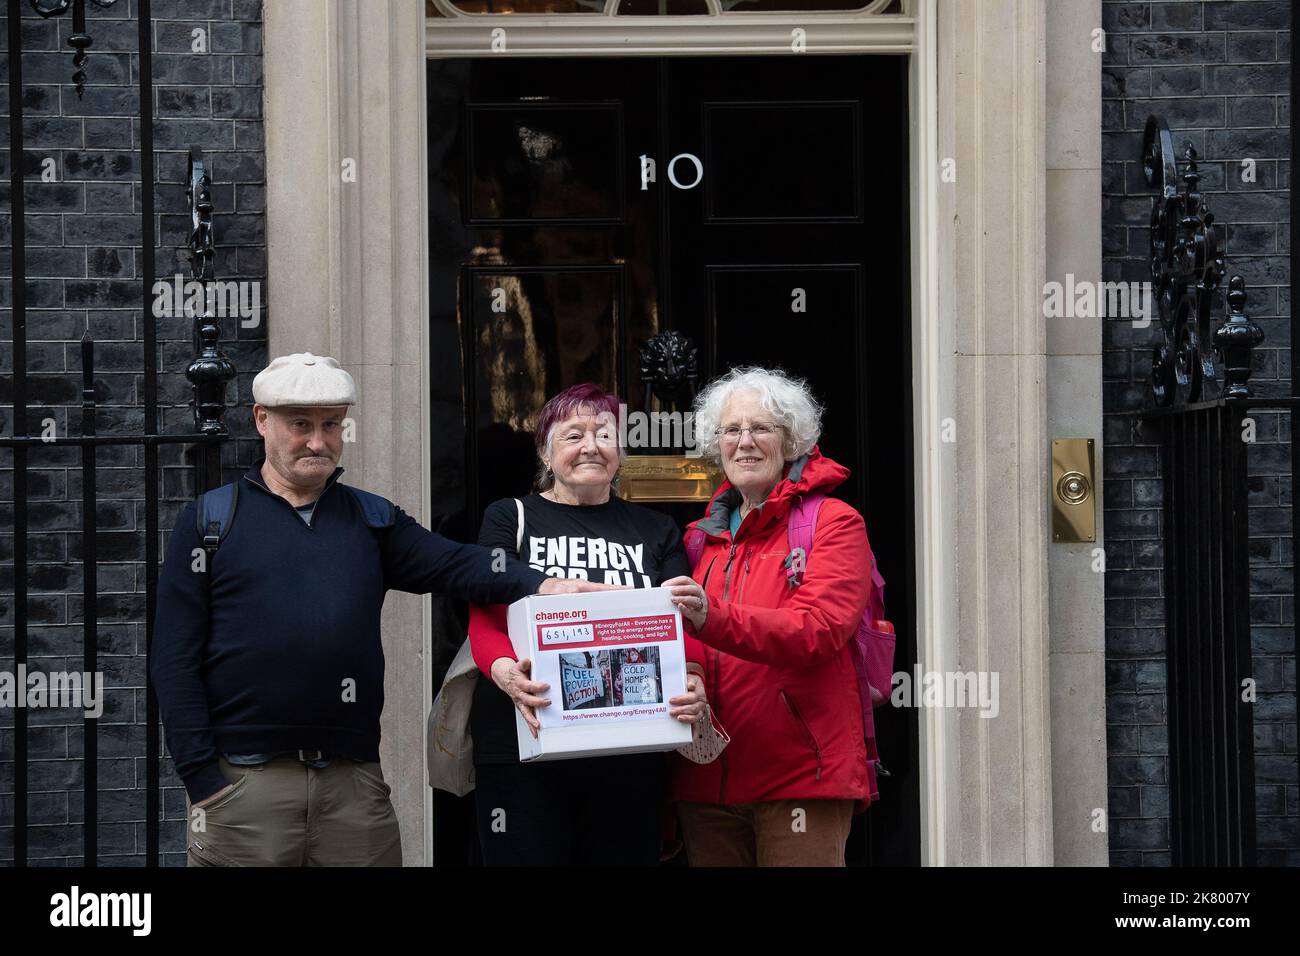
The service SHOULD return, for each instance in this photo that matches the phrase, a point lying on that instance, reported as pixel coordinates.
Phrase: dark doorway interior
(783, 242)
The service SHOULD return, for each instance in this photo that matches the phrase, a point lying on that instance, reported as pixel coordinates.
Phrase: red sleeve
(823, 612)
(694, 649)
(488, 637)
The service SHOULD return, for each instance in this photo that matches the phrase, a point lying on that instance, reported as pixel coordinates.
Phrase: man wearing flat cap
(267, 658)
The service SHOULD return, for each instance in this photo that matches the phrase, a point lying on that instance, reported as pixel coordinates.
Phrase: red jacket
(778, 670)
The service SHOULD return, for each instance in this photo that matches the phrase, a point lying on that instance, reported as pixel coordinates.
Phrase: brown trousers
(770, 833)
(285, 813)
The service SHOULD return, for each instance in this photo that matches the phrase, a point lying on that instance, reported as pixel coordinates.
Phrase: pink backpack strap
(799, 532)
(876, 603)
(693, 540)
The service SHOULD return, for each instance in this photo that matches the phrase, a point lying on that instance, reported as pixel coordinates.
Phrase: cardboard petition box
(613, 659)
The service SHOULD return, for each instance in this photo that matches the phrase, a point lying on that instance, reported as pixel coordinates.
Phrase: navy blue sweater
(280, 650)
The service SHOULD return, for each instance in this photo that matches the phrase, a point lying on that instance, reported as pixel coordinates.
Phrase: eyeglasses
(757, 430)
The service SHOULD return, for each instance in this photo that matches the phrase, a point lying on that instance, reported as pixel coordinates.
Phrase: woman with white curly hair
(775, 626)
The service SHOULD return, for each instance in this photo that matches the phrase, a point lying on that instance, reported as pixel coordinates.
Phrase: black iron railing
(208, 373)
(1207, 623)
(1199, 385)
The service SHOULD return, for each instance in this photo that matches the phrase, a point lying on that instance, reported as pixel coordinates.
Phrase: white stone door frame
(348, 274)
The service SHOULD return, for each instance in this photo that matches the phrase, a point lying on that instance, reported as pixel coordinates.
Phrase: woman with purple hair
(595, 810)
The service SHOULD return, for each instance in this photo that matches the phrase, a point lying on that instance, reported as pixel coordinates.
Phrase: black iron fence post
(148, 315)
(90, 592)
(210, 370)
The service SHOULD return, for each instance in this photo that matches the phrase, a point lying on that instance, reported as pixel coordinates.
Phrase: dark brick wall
(83, 270)
(1220, 74)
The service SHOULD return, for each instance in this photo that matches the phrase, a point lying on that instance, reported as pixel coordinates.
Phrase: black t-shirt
(613, 543)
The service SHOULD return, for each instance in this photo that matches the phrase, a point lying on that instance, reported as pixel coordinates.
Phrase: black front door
(773, 232)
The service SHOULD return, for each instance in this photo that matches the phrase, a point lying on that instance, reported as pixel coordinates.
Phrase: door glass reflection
(537, 331)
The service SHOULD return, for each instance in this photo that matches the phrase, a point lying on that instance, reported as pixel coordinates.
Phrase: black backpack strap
(378, 511)
(214, 515)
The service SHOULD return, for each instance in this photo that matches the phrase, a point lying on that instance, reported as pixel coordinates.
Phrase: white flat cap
(304, 379)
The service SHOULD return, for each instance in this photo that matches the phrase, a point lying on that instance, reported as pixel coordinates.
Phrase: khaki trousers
(770, 833)
(285, 813)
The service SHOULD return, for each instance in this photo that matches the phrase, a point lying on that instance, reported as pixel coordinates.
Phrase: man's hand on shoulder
(575, 586)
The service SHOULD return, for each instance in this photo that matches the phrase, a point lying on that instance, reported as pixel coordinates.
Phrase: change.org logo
(77, 909)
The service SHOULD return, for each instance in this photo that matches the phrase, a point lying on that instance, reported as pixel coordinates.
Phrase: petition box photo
(613, 660)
